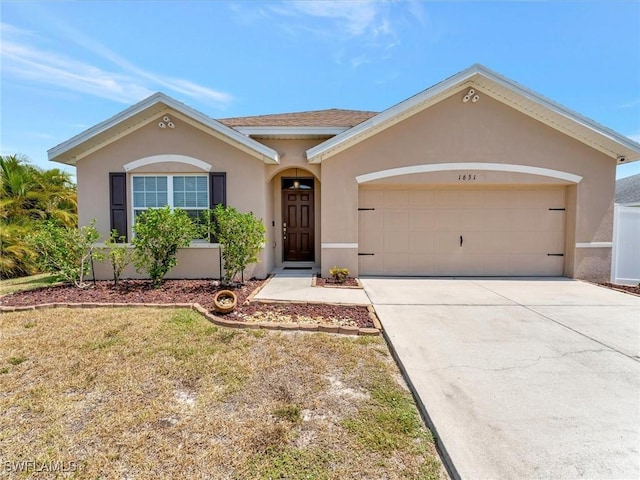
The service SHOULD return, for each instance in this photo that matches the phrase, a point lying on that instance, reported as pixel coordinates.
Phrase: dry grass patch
(156, 393)
(21, 284)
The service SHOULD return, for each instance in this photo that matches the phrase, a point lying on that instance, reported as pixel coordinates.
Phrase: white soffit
(143, 113)
(502, 89)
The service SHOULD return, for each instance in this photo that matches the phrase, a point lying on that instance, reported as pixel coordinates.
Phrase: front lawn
(157, 393)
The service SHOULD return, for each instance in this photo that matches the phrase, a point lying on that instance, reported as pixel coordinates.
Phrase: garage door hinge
(555, 254)
(362, 254)
(361, 209)
(558, 209)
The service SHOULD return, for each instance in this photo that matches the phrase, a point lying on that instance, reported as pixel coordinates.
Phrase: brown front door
(297, 225)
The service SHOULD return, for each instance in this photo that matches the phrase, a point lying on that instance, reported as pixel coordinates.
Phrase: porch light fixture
(296, 184)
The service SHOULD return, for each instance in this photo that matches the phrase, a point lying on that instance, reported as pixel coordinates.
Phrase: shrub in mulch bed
(188, 291)
(332, 282)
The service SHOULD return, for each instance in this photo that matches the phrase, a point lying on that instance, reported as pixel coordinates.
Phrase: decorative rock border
(223, 322)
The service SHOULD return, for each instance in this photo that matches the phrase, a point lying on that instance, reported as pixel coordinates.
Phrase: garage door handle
(461, 240)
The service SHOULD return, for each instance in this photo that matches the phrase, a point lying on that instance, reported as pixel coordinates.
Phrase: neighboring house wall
(484, 132)
(246, 186)
(625, 268)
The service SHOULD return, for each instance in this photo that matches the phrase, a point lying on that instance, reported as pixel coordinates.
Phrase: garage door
(449, 232)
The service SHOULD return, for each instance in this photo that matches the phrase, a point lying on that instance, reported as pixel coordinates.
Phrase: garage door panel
(398, 198)
(420, 198)
(421, 241)
(370, 198)
(422, 218)
(395, 241)
(395, 219)
(505, 231)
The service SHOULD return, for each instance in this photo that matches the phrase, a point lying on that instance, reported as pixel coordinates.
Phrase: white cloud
(128, 84)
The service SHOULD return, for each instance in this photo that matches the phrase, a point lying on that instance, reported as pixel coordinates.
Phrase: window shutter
(118, 202)
(217, 192)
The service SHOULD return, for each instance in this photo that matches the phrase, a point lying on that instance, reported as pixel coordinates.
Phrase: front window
(188, 192)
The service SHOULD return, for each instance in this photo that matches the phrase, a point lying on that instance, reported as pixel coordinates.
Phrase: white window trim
(169, 198)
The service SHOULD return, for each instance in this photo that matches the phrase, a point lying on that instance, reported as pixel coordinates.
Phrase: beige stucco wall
(486, 132)
(246, 184)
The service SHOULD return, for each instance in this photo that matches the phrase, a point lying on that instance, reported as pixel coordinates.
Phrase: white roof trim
(261, 151)
(325, 149)
(167, 158)
(443, 167)
(291, 131)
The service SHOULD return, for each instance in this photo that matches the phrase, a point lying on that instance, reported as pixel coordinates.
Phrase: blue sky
(66, 66)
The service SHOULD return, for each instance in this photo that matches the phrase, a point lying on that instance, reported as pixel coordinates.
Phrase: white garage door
(476, 232)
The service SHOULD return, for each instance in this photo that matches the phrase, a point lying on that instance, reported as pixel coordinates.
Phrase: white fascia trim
(339, 245)
(443, 167)
(291, 131)
(316, 154)
(167, 158)
(594, 245)
(268, 155)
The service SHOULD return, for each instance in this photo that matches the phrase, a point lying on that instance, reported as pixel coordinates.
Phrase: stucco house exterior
(477, 175)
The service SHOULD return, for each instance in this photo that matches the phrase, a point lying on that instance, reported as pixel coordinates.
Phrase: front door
(297, 225)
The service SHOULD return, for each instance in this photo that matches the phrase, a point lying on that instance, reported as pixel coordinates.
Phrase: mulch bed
(635, 289)
(194, 291)
(331, 282)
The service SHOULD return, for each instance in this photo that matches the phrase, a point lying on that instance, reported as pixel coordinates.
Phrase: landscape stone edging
(340, 329)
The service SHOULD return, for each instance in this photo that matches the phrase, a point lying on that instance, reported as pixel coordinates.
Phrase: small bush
(118, 255)
(339, 274)
(159, 233)
(241, 235)
(66, 252)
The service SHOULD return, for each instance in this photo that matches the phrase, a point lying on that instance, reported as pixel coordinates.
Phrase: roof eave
(629, 149)
(268, 155)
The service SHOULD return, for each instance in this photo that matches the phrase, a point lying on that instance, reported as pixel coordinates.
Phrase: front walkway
(295, 286)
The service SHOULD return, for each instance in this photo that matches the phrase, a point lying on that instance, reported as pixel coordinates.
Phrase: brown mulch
(635, 289)
(331, 282)
(193, 291)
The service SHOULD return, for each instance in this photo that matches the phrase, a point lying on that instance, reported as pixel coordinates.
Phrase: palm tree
(28, 196)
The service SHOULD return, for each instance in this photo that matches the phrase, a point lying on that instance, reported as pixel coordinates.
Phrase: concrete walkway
(521, 378)
(296, 286)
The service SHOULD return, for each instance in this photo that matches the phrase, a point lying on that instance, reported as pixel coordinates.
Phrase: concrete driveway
(521, 378)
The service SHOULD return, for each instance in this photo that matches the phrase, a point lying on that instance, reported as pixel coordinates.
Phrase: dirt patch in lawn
(195, 291)
(162, 393)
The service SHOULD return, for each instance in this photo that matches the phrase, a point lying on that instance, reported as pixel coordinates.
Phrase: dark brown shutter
(118, 202)
(217, 192)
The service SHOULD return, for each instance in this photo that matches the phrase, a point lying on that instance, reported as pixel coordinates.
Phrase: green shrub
(65, 252)
(159, 233)
(118, 255)
(339, 274)
(241, 235)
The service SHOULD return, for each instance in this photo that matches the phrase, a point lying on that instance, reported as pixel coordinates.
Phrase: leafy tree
(118, 254)
(159, 233)
(241, 235)
(65, 252)
(29, 196)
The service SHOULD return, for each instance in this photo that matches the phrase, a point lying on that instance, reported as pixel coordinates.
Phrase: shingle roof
(333, 117)
(628, 189)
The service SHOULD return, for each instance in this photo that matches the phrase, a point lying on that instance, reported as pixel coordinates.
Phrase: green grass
(26, 283)
(162, 393)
